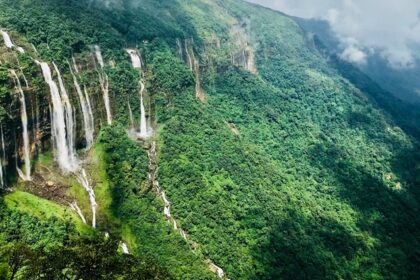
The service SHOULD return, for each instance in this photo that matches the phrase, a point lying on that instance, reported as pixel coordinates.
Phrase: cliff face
(210, 136)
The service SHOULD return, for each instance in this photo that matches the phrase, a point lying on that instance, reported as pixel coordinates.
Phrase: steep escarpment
(208, 138)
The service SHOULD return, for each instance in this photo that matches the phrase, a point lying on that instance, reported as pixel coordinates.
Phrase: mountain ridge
(271, 162)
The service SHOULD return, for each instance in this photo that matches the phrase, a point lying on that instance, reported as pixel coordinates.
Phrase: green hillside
(274, 161)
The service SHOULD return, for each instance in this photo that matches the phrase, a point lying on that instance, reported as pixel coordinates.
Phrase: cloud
(352, 52)
(390, 27)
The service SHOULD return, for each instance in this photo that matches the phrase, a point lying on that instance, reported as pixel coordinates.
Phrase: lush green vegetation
(139, 210)
(290, 173)
(42, 244)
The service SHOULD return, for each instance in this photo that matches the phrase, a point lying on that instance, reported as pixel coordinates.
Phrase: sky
(390, 28)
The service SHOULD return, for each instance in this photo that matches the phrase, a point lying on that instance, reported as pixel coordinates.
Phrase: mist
(390, 28)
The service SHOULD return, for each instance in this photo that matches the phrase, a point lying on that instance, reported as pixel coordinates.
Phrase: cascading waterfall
(8, 42)
(75, 65)
(68, 109)
(84, 181)
(64, 136)
(103, 80)
(23, 74)
(190, 62)
(98, 55)
(64, 154)
(34, 48)
(88, 122)
(195, 67)
(130, 114)
(143, 124)
(179, 49)
(76, 208)
(137, 64)
(89, 107)
(152, 177)
(124, 248)
(24, 118)
(135, 58)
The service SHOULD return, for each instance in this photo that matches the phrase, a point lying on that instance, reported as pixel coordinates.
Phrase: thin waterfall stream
(88, 122)
(103, 80)
(26, 176)
(136, 62)
(153, 181)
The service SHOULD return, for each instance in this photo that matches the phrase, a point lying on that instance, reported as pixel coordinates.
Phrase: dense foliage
(291, 172)
(31, 248)
(140, 211)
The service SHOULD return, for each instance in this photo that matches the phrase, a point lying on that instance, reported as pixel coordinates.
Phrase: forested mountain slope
(196, 139)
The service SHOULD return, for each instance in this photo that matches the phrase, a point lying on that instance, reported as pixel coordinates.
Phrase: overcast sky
(388, 27)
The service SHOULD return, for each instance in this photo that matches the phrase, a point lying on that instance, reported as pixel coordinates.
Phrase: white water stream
(8, 42)
(152, 176)
(84, 181)
(135, 58)
(26, 176)
(88, 122)
(124, 248)
(143, 124)
(68, 109)
(137, 64)
(103, 80)
(76, 208)
(64, 153)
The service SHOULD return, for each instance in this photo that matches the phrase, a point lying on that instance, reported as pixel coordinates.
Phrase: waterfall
(216, 269)
(8, 42)
(24, 117)
(135, 58)
(88, 122)
(34, 48)
(89, 107)
(84, 181)
(103, 80)
(153, 181)
(143, 124)
(75, 65)
(137, 64)
(98, 55)
(179, 48)
(124, 248)
(68, 109)
(76, 208)
(3, 159)
(190, 62)
(64, 154)
(130, 114)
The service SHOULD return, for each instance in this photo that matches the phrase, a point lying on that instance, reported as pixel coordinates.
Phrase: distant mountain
(402, 83)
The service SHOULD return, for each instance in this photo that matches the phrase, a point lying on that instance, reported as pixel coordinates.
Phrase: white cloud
(391, 27)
